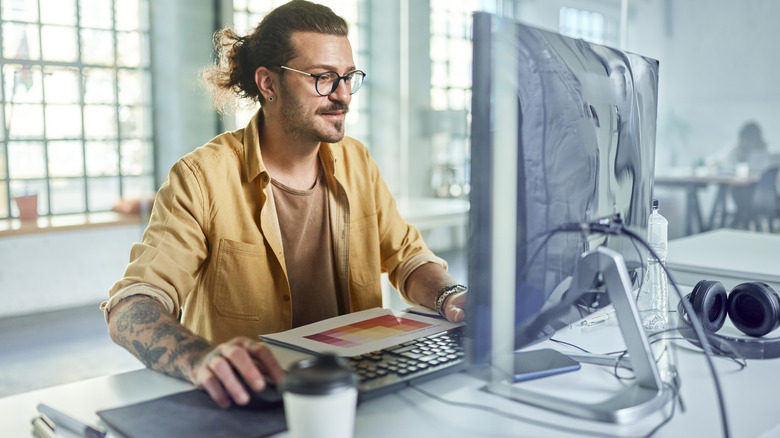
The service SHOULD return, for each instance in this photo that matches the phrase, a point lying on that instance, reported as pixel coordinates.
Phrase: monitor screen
(563, 131)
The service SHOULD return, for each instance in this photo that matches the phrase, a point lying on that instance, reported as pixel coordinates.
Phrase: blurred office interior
(101, 97)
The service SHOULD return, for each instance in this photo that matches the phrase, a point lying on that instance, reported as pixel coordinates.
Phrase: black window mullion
(7, 177)
(47, 176)
(116, 98)
(82, 92)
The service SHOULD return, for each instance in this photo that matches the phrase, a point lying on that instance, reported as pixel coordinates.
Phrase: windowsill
(47, 224)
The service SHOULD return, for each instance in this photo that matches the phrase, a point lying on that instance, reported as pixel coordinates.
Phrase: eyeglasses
(326, 83)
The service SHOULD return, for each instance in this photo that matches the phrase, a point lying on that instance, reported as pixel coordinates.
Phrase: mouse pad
(192, 414)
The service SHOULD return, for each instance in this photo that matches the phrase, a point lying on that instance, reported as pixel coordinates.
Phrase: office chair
(765, 201)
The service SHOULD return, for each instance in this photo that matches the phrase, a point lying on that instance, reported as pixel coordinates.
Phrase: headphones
(753, 308)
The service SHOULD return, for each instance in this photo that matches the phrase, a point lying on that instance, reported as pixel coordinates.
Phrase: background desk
(692, 185)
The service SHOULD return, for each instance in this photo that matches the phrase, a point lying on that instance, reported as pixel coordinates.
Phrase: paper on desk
(360, 332)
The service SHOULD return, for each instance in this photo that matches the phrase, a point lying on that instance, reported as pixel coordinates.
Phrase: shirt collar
(252, 157)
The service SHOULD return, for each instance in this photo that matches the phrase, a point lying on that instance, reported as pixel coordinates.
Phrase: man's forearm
(425, 281)
(142, 326)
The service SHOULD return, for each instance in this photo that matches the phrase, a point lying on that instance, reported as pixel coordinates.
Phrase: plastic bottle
(653, 299)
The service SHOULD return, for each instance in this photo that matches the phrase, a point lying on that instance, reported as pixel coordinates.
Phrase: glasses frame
(339, 78)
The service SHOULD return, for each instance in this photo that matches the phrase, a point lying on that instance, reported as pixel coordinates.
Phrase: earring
(270, 98)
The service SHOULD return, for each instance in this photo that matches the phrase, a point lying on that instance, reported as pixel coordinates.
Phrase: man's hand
(143, 326)
(455, 307)
(221, 370)
(423, 284)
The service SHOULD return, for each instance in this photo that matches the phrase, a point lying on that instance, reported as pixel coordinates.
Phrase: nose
(342, 93)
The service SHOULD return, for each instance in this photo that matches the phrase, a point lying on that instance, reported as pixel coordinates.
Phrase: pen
(43, 427)
(62, 419)
(598, 319)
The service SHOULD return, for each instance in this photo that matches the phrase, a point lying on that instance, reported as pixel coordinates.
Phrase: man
(277, 225)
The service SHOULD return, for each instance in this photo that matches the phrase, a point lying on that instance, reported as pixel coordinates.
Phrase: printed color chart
(374, 329)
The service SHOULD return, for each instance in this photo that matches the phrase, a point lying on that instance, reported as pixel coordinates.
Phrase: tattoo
(197, 345)
(168, 329)
(149, 356)
(157, 339)
(141, 312)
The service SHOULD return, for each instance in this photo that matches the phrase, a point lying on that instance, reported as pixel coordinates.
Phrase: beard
(304, 127)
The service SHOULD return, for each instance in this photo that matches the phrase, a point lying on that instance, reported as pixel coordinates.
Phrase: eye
(328, 77)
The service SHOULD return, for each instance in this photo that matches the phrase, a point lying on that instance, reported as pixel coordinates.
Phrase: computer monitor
(562, 131)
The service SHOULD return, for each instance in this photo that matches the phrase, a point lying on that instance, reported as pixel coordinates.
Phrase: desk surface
(682, 180)
(729, 256)
(750, 394)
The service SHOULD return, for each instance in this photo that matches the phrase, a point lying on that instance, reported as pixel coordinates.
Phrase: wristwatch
(443, 293)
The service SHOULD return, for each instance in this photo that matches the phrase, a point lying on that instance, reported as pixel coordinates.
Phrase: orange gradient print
(374, 329)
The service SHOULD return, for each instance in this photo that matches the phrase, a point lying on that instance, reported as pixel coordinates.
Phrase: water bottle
(653, 299)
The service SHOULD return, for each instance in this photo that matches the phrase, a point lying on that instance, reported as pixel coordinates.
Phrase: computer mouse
(268, 398)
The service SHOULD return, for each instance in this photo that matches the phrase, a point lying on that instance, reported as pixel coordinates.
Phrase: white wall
(718, 63)
(63, 269)
(718, 70)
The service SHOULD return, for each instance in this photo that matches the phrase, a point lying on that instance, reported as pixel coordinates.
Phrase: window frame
(131, 137)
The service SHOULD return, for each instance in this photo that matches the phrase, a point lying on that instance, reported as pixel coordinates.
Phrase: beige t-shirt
(308, 251)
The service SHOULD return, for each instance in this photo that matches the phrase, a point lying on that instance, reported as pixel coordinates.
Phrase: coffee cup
(320, 398)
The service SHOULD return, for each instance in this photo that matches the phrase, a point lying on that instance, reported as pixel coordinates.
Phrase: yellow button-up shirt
(213, 247)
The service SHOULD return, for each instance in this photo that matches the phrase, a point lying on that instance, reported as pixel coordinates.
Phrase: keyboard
(392, 368)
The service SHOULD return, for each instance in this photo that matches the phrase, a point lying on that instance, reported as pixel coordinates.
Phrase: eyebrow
(331, 68)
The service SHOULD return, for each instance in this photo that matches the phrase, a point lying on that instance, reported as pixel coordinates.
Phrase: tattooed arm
(143, 326)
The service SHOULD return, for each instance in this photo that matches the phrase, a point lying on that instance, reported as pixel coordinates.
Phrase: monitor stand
(642, 397)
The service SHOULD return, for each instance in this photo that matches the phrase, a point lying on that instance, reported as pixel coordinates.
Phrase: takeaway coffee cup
(320, 398)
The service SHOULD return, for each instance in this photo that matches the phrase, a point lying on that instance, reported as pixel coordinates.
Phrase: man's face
(306, 115)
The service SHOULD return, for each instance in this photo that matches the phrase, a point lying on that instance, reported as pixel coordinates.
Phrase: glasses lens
(355, 81)
(326, 83)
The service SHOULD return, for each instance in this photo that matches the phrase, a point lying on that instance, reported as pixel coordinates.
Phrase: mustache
(334, 107)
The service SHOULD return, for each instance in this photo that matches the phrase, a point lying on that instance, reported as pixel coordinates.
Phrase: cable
(697, 328)
(613, 225)
(570, 345)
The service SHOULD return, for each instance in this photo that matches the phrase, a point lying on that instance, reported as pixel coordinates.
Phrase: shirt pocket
(364, 258)
(242, 276)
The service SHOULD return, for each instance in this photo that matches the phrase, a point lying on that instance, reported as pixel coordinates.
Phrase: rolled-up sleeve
(173, 247)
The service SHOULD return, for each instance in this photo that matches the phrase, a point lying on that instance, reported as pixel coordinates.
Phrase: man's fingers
(268, 364)
(208, 381)
(455, 307)
(241, 359)
(224, 370)
(226, 374)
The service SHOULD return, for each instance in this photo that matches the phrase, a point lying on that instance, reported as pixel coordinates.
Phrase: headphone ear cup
(708, 300)
(754, 308)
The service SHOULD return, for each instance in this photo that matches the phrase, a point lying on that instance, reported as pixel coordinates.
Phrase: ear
(265, 81)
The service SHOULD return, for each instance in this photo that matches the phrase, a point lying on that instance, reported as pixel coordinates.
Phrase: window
(76, 104)
(247, 14)
(450, 52)
(589, 25)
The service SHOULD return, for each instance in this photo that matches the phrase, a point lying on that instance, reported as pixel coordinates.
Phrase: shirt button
(286, 298)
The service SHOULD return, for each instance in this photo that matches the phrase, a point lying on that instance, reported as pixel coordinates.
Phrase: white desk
(751, 401)
(751, 395)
